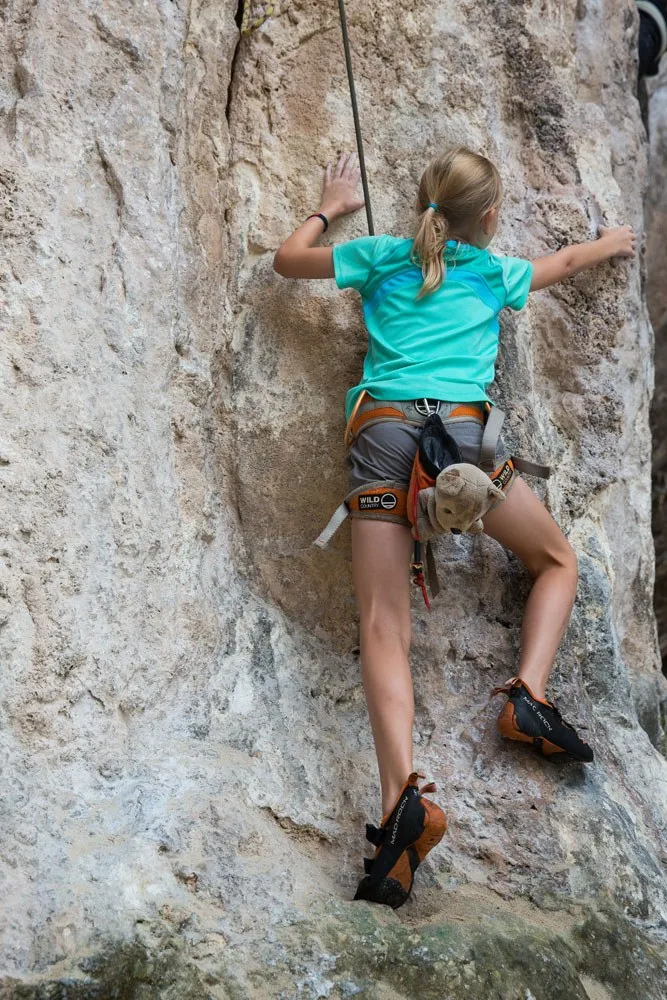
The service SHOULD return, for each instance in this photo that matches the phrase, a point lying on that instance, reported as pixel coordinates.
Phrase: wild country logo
(502, 478)
(375, 501)
(537, 712)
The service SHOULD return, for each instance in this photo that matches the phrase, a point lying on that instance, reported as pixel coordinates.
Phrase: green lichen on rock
(127, 971)
(360, 950)
(365, 952)
(495, 958)
(613, 951)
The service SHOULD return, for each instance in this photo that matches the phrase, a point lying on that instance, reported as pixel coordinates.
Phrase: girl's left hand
(621, 240)
(339, 196)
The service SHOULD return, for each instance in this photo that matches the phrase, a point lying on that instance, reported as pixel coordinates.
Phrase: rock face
(187, 763)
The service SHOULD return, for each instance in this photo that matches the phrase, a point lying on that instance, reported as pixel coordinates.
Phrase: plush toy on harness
(445, 494)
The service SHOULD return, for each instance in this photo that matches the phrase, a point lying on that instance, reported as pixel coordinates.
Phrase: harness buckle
(426, 407)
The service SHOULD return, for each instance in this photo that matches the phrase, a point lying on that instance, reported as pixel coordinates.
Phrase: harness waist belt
(369, 411)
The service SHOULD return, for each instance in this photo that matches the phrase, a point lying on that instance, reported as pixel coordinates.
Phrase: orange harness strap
(380, 501)
(359, 418)
(379, 413)
(465, 411)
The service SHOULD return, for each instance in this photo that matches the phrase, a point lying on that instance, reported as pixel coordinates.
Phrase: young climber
(431, 307)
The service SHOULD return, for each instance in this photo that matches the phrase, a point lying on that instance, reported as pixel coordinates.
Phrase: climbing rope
(254, 15)
(355, 115)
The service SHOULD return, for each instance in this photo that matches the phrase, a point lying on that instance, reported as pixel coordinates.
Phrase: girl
(431, 309)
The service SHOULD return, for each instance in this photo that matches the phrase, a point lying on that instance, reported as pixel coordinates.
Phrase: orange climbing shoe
(534, 720)
(405, 836)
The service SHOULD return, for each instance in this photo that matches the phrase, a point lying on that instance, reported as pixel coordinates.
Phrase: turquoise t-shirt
(443, 346)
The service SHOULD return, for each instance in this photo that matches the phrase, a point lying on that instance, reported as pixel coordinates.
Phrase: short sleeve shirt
(444, 345)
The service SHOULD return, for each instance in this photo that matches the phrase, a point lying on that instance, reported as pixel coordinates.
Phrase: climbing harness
(444, 494)
(251, 19)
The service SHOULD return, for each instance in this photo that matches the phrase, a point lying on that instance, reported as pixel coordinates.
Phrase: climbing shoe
(534, 720)
(405, 836)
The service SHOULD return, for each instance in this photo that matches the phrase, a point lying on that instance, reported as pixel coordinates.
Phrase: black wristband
(318, 215)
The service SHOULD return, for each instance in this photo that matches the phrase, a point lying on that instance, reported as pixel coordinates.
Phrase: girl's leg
(523, 525)
(380, 567)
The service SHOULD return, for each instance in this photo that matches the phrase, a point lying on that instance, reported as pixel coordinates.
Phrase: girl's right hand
(621, 240)
(339, 195)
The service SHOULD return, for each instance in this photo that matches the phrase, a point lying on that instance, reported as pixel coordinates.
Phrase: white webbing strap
(492, 428)
(531, 468)
(339, 515)
(487, 458)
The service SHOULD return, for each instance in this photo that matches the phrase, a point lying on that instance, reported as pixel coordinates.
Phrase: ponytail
(427, 249)
(456, 190)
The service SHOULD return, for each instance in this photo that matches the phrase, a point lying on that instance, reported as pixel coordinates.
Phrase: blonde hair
(464, 185)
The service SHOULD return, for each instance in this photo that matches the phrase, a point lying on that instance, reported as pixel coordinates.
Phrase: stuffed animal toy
(462, 495)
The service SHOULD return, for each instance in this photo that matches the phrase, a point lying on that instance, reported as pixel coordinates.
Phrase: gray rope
(355, 114)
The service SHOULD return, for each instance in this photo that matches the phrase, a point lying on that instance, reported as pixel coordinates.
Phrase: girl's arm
(298, 257)
(620, 242)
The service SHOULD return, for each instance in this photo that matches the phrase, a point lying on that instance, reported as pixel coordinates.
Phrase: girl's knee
(570, 560)
(559, 554)
(565, 557)
(383, 622)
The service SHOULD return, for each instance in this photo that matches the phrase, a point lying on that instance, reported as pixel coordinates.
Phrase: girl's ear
(489, 221)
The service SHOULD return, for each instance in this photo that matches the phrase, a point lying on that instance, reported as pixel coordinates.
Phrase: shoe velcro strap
(375, 834)
(504, 688)
(368, 865)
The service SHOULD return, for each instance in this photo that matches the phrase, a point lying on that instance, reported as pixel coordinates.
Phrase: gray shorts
(386, 451)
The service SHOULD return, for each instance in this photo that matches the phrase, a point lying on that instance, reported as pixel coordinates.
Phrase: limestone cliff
(187, 764)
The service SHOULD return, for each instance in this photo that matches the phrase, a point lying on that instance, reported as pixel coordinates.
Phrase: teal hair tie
(433, 205)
